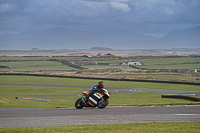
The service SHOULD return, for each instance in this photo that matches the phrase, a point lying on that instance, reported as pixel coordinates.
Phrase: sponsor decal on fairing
(92, 100)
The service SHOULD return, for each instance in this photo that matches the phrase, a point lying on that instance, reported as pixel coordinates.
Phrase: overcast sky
(152, 17)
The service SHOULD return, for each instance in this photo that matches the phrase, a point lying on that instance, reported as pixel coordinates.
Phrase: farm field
(35, 66)
(90, 52)
(124, 68)
(170, 68)
(165, 77)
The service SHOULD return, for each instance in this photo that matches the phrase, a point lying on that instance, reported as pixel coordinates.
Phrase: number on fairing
(98, 95)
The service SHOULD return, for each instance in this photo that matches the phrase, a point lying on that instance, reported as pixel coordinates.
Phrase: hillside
(185, 38)
(62, 38)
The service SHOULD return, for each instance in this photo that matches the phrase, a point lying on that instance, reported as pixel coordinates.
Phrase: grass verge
(152, 127)
(90, 82)
(132, 99)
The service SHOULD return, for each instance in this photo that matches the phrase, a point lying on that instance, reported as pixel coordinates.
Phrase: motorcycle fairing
(93, 100)
(85, 93)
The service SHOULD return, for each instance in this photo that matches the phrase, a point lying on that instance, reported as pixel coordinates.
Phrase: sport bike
(96, 99)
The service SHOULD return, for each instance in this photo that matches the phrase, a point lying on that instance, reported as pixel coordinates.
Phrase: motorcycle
(97, 99)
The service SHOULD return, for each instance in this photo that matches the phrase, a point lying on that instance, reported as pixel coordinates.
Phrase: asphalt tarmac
(37, 117)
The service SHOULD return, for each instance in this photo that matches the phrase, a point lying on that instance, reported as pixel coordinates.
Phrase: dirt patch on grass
(3, 100)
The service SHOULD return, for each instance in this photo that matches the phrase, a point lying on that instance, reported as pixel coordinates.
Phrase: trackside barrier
(181, 96)
(136, 80)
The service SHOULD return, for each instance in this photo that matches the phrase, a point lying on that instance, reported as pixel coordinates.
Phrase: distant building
(99, 55)
(132, 63)
(84, 56)
(108, 55)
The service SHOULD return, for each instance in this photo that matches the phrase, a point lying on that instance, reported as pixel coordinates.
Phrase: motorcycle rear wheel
(103, 104)
(79, 104)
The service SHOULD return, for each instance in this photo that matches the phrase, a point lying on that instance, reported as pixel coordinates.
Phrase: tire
(79, 104)
(103, 104)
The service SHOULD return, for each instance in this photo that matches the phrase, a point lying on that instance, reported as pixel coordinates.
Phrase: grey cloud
(164, 11)
(22, 15)
(121, 6)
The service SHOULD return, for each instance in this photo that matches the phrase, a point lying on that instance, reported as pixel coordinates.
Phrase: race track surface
(36, 117)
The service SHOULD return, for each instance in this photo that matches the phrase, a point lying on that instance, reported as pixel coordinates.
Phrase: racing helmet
(101, 84)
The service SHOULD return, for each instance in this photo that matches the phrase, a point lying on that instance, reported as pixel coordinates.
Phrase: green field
(172, 66)
(171, 77)
(33, 58)
(35, 66)
(152, 127)
(89, 82)
(155, 67)
(125, 68)
(131, 99)
(175, 60)
(154, 62)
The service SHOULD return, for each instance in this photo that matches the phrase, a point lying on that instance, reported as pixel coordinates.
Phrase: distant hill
(189, 38)
(63, 38)
(101, 49)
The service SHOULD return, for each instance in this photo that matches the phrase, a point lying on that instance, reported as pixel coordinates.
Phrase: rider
(98, 88)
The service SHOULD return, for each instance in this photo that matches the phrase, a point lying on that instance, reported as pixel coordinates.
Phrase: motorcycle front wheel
(79, 104)
(102, 104)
